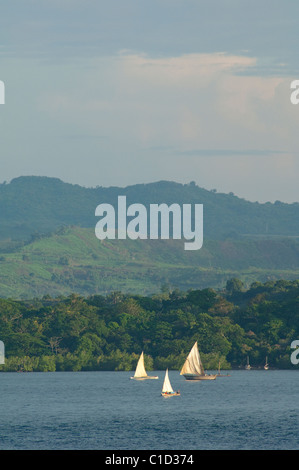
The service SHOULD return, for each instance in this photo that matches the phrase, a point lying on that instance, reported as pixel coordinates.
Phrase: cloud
(232, 152)
(164, 101)
(155, 118)
(194, 68)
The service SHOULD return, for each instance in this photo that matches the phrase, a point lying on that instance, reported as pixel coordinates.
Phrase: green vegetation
(109, 332)
(38, 205)
(150, 295)
(74, 260)
(48, 244)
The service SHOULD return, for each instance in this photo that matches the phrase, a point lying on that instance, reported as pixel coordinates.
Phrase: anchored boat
(248, 366)
(266, 366)
(167, 390)
(140, 372)
(193, 368)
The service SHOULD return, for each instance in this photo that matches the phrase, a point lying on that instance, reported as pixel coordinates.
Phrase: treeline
(109, 332)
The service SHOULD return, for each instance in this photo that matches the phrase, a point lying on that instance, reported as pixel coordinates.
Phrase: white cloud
(139, 105)
(177, 100)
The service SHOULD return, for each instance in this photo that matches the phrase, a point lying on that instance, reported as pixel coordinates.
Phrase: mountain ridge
(48, 243)
(39, 204)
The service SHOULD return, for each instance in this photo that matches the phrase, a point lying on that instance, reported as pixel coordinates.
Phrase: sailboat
(167, 390)
(140, 372)
(219, 373)
(193, 368)
(248, 366)
(266, 366)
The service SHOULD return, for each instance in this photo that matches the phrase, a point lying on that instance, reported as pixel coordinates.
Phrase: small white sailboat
(248, 366)
(266, 366)
(193, 368)
(140, 372)
(167, 390)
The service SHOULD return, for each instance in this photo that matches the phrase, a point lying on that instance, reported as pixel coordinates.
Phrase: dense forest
(109, 332)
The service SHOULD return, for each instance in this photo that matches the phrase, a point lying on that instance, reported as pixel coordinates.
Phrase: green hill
(74, 260)
(33, 204)
(48, 244)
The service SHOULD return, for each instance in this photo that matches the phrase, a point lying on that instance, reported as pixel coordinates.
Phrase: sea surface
(252, 410)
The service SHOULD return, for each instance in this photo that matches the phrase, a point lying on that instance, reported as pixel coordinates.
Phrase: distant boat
(221, 375)
(140, 372)
(167, 390)
(248, 366)
(266, 366)
(193, 368)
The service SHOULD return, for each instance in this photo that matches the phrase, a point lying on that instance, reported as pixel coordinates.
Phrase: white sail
(193, 364)
(167, 388)
(140, 370)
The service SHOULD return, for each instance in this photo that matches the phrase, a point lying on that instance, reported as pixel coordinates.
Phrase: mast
(266, 366)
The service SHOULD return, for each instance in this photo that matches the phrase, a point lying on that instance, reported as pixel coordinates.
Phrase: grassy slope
(76, 261)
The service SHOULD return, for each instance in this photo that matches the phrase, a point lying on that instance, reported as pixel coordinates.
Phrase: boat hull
(200, 377)
(145, 378)
(168, 395)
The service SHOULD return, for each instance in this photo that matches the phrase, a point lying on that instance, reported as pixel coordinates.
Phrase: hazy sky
(135, 91)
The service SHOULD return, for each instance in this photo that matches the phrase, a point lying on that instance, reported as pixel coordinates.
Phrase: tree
(54, 344)
(234, 285)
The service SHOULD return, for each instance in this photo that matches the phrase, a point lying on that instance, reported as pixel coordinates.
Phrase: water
(106, 410)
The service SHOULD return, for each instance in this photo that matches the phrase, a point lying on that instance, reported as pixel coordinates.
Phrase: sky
(117, 93)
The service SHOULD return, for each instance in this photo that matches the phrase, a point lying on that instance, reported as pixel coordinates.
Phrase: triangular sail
(193, 364)
(140, 370)
(167, 388)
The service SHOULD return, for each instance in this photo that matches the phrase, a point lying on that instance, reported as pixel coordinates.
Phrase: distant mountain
(48, 244)
(39, 205)
(74, 260)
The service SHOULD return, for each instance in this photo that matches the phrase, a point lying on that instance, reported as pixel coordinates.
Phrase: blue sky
(118, 93)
